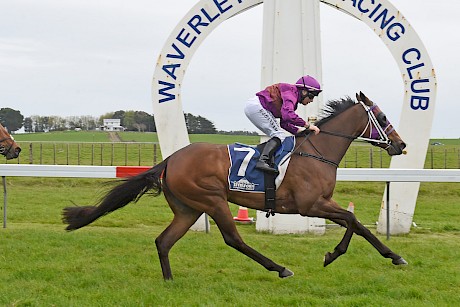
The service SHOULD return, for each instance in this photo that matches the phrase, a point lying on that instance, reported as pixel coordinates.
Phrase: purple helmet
(309, 82)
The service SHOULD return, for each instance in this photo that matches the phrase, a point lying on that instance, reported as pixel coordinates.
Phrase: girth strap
(270, 193)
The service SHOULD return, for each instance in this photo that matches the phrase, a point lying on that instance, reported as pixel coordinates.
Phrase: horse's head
(8, 146)
(379, 131)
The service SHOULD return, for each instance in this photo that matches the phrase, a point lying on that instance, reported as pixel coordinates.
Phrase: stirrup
(270, 212)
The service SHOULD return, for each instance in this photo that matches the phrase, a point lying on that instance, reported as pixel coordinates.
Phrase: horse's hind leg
(224, 220)
(184, 217)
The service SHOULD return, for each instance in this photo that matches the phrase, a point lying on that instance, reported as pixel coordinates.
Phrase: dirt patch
(114, 137)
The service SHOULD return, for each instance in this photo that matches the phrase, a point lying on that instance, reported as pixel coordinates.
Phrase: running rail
(343, 174)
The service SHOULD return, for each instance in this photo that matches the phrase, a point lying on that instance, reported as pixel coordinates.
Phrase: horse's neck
(350, 123)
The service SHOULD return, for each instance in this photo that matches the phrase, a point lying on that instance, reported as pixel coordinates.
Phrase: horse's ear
(364, 99)
(357, 97)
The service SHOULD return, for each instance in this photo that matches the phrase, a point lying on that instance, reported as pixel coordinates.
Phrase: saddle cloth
(244, 177)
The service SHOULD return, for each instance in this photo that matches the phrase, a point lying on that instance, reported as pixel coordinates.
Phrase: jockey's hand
(302, 131)
(314, 128)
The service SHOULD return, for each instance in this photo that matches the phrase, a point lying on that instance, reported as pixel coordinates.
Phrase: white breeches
(263, 119)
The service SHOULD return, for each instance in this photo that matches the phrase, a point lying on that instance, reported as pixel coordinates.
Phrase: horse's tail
(131, 189)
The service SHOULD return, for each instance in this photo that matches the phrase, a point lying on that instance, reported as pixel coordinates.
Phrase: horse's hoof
(286, 273)
(399, 261)
(328, 259)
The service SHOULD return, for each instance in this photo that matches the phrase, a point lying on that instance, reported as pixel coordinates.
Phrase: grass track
(118, 267)
(114, 262)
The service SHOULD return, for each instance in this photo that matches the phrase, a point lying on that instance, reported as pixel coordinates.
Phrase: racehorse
(8, 146)
(194, 180)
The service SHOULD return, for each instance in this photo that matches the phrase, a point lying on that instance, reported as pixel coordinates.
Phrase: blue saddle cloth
(243, 176)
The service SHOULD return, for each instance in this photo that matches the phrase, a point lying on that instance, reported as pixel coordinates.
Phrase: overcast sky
(91, 57)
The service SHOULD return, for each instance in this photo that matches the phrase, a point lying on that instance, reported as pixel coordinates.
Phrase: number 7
(245, 163)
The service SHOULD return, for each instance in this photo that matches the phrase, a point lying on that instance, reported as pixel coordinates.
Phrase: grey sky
(85, 57)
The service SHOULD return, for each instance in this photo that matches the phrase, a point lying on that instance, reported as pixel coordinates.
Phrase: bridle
(3, 150)
(377, 134)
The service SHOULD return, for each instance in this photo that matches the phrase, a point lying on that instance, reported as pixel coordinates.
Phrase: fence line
(148, 153)
(89, 153)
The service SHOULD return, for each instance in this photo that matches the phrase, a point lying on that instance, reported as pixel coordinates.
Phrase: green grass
(64, 136)
(113, 262)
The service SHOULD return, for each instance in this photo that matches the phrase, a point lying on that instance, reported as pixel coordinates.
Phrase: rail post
(388, 210)
(4, 201)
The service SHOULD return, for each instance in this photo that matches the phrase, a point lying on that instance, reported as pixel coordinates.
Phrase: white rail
(398, 175)
(343, 174)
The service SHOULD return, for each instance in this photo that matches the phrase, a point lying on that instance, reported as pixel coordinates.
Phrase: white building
(112, 124)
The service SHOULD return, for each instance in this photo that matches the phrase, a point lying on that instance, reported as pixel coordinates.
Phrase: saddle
(244, 177)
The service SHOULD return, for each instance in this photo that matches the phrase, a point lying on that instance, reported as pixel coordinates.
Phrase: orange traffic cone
(243, 216)
(351, 207)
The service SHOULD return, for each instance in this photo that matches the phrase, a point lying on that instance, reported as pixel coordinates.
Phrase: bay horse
(194, 181)
(8, 146)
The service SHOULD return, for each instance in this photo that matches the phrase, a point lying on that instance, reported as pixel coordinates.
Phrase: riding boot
(265, 157)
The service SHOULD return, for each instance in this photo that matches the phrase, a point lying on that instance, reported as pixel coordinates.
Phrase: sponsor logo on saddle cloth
(244, 177)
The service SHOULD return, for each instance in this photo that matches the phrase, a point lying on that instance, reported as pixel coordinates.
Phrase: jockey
(280, 101)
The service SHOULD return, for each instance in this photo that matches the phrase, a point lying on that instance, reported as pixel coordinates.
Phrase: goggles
(312, 94)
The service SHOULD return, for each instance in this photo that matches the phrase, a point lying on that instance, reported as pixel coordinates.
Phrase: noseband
(3, 150)
(377, 134)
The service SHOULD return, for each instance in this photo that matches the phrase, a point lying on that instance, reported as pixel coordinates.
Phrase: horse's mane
(333, 108)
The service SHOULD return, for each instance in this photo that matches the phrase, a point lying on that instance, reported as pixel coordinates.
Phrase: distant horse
(8, 146)
(194, 180)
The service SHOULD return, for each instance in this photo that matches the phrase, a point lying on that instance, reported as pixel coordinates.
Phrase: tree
(28, 125)
(11, 119)
(198, 124)
(120, 114)
(128, 121)
(144, 121)
(45, 123)
(88, 122)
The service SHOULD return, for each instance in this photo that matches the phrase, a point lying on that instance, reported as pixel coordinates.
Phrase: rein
(372, 122)
(307, 155)
(346, 136)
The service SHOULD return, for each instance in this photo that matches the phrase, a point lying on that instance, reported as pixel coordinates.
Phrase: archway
(382, 17)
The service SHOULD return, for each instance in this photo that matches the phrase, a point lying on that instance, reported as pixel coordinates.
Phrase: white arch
(381, 16)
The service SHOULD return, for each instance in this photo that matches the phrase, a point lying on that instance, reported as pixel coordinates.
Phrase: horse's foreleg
(330, 210)
(364, 232)
(224, 220)
(342, 247)
(386, 252)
